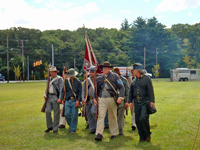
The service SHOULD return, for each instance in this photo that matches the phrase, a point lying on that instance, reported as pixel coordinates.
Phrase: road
(22, 81)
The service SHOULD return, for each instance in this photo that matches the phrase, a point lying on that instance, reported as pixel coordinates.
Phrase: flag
(90, 59)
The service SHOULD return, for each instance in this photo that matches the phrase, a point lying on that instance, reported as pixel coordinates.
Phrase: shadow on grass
(62, 134)
(108, 143)
(148, 145)
(153, 126)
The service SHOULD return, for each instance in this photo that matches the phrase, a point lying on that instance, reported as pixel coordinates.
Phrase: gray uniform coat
(52, 105)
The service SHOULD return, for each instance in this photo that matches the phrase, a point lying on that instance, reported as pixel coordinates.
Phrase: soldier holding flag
(62, 123)
(88, 86)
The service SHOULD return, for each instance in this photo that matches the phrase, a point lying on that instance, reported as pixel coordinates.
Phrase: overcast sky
(72, 14)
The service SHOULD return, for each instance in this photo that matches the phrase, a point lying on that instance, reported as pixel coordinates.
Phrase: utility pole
(23, 59)
(27, 68)
(144, 56)
(7, 61)
(156, 59)
(156, 56)
(52, 56)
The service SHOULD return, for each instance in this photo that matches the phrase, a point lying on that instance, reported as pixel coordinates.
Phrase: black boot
(49, 129)
(92, 132)
(87, 126)
(113, 137)
(98, 137)
(133, 128)
(61, 126)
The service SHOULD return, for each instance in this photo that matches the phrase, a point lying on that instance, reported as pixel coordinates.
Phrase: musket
(95, 90)
(127, 73)
(64, 91)
(47, 92)
(86, 93)
(125, 97)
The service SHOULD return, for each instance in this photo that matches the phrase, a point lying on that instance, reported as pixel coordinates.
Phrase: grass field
(173, 127)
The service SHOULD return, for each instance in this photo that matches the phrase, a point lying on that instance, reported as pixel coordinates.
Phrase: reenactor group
(113, 95)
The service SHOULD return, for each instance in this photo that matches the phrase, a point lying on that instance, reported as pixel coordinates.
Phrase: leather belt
(52, 94)
(90, 97)
(138, 97)
(107, 89)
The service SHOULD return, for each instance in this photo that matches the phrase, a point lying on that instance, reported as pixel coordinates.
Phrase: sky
(72, 14)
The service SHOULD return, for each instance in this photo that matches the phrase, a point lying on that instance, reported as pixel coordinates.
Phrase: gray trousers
(91, 115)
(133, 116)
(120, 117)
(52, 105)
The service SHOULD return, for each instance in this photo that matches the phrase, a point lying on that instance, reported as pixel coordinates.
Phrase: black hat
(137, 66)
(106, 64)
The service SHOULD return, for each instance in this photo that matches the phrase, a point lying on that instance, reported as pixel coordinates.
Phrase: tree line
(178, 46)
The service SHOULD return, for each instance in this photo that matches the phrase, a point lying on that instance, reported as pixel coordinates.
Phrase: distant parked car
(148, 74)
(2, 78)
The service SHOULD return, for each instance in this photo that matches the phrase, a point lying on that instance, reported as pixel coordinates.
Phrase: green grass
(173, 127)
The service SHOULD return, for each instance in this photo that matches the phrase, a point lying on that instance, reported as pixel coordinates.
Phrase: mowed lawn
(173, 127)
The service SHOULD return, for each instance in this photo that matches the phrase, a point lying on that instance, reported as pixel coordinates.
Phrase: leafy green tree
(187, 60)
(125, 25)
(17, 71)
(155, 70)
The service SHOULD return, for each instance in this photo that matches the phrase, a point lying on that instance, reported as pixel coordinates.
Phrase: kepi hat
(72, 73)
(92, 68)
(137, 66)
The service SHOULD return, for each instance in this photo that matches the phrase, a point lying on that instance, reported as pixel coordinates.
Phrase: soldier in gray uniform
(141, 91)
(124, 104)
(55, 97)
(107, 85)
(62, 119)
(133, 124)
(90, 107)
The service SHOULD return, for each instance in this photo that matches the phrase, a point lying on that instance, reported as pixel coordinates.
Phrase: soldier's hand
(63, 102)
(152, 105)
(126, 105)
(84, 102)
(131, 105)
(59, 100)
(76, 103)
(95, 102)
(45, 98)
(119, 100)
